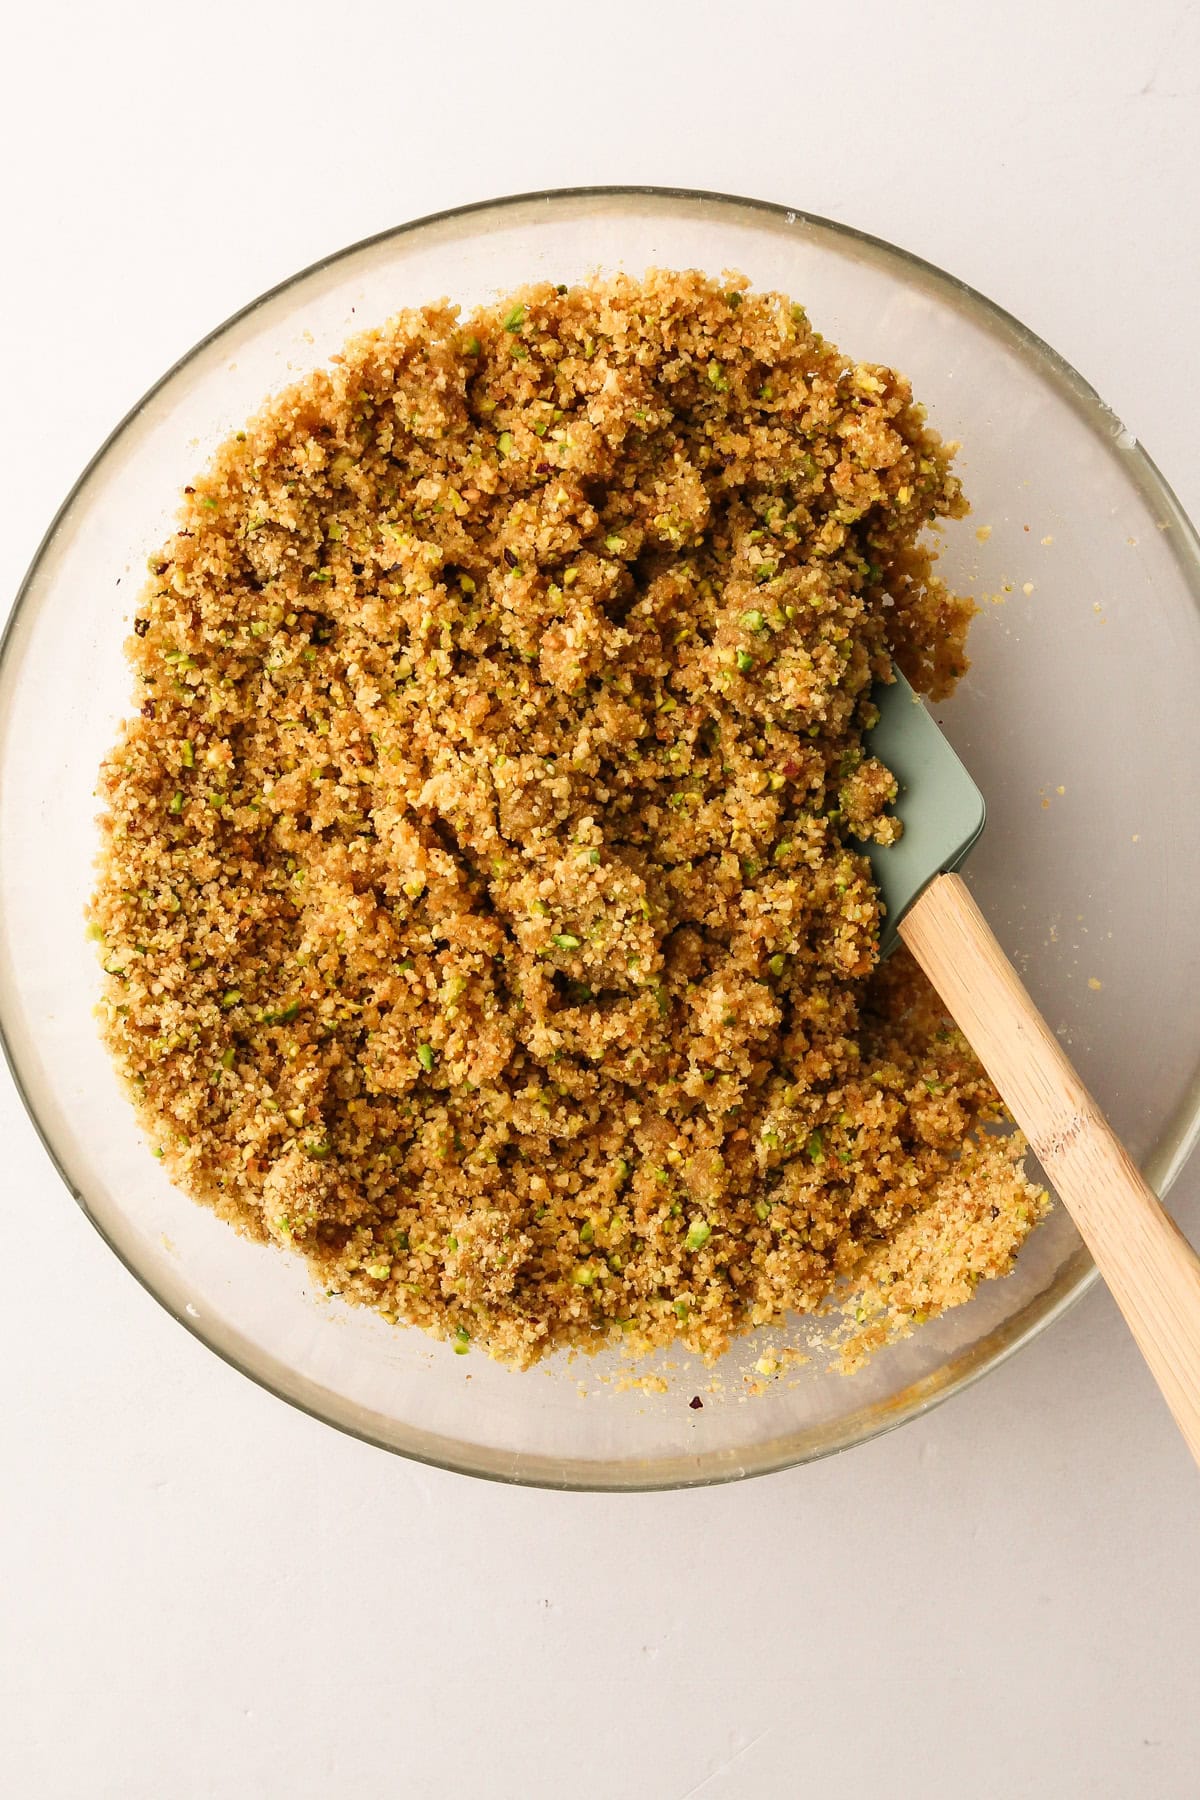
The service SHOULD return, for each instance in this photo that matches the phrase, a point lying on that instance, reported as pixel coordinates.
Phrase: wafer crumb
(482, 904)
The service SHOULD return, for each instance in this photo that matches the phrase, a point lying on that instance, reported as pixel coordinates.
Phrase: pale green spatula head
(942, 810)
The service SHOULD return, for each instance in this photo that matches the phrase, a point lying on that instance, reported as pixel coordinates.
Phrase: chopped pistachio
(282, 1015)
(426, 1056)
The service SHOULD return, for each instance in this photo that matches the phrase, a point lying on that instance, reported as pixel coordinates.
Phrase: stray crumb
(983, 533)
(1048, 540)
(641, 1384)
(1094, 984)
(1027, 589)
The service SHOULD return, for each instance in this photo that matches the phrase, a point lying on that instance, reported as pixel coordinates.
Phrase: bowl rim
(1178, 1138)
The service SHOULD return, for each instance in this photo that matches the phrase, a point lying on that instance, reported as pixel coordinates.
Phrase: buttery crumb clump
(481, 901)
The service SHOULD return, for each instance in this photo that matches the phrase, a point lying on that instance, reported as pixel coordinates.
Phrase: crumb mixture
(481, 900)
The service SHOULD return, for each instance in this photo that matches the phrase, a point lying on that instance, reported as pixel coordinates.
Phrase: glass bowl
(1079, 721)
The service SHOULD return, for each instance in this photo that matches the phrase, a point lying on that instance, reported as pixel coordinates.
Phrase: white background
(206, 1594)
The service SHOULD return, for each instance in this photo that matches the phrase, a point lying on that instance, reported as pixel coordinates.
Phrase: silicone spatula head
(942, 810)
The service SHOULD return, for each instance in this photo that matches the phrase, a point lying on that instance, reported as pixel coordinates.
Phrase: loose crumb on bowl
(482, 903)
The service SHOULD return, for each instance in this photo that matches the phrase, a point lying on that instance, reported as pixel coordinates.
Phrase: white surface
(206, 1594)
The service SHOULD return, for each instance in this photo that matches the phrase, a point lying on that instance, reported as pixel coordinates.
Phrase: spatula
(1151, 1270)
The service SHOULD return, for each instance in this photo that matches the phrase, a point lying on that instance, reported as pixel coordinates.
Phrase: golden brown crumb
(478, 900)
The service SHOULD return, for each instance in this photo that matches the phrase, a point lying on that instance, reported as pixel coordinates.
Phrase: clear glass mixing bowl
(1079, 720)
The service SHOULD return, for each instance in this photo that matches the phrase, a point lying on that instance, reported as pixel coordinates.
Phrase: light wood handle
(1151, 1269)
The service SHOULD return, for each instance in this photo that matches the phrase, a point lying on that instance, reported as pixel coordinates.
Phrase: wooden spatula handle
(1152, 1270)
